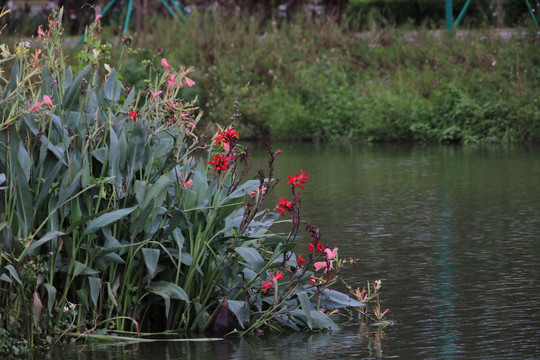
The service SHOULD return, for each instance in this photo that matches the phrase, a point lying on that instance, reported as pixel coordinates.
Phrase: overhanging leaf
(107, 219)
(51, 295)
(35, 244)
(81, 269)
(251, 256)
(306, 307)
(95, 288)
(333, 299)
(240, 309)
(151, 259)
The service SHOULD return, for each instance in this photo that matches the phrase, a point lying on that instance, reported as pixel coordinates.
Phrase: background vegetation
(314, 79)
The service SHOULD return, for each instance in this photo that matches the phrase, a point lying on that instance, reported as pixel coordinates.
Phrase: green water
(452, 232)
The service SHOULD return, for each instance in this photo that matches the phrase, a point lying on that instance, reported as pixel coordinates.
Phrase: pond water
(452, 232)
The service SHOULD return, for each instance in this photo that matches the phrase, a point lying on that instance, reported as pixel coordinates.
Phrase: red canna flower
(227, 138)
(279, 275)
(311, 247)
(320, 247)
(221, 162)
(300, 261)
(272, 279)
(267, 285)
(284, 205)
(133, 115)
(298, 180)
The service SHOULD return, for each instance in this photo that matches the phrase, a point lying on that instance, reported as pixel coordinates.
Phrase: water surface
(452, 232)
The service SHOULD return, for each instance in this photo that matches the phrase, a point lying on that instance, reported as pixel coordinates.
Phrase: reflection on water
(453, 232)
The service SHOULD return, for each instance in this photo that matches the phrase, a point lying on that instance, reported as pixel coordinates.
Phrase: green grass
(312, 79)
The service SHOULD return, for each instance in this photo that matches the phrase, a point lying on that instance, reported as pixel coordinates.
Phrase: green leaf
(252, 257)
(167, 291)
(51, 295)
(106, 219)
(151, 259)
(242, 190)
(13, 273)
(114, 157)
(306, 306)
(95, 288)
(240, 309)
(319, 320)
(35, 244)
(112, 88)
(332, 299)
(81, 269)
(72, 90)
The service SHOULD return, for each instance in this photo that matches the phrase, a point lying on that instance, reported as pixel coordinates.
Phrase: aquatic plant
(116, 217)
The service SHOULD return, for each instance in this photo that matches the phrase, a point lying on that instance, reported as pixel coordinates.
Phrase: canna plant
(116, 217)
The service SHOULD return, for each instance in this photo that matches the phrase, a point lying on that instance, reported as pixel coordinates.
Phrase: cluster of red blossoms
(296, 180)
(271, 280)
(221, 162)
(227, 138)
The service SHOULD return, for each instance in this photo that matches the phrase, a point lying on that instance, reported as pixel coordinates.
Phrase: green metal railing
(450, 24)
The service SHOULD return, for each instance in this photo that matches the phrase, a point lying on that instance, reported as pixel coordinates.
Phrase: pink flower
(172, 81)
(156, 93)
(188, 81)
(47, 100)
(330, 254)
(99, 16)
(40, 31)
(323, 265)
(165, 64)
(36, 106)
(189, 183)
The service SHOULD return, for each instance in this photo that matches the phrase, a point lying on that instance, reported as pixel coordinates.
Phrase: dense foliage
(116, 218)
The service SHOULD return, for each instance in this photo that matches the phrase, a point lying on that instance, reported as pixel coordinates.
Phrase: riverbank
(311, 79)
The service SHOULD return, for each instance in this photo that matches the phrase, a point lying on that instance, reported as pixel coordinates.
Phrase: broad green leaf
(319, 320)
(106, 219)
(72, 90)
(35, 244)
(82, 295)
(51, 295)
(14, 273)
(252, 257)
(240, 309)
(95, 288)
(81, 269)
(151, 259)
(332, 299)
(66, 192)
(306, 307)
(114, 156)
(167, 291)
(242, 190)
(112, 88)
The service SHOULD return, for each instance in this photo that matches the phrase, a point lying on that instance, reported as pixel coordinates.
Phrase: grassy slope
(312, 79)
